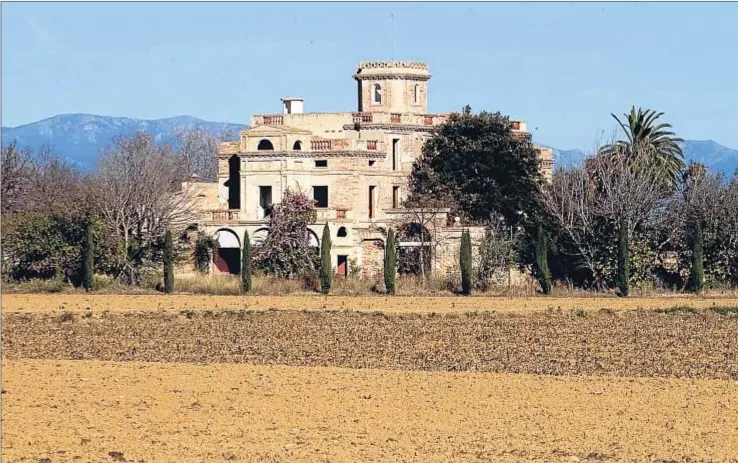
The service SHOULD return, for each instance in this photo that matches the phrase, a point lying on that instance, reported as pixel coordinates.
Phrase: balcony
(321, 145)
(396, 118)
(363, 118)
(371, 145)
(274, 120)
(225, 216)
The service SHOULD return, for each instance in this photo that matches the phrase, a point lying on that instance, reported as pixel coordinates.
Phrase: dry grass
(85, 411)
(98, 303)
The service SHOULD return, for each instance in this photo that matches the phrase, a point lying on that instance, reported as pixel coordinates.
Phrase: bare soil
(89, 411)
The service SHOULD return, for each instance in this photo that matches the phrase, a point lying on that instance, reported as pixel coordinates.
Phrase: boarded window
(320, 195)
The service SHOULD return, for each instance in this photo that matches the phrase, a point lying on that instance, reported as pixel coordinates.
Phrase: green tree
(542, 270)
(390, 262)
(465, 262)
(246, 264)
(168, 263)
(623, 260)
(88, 267)
(643, 134)
(697, 276)
(326, 265)
(483, 165)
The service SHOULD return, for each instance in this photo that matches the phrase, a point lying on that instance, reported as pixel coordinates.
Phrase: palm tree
(645, 137)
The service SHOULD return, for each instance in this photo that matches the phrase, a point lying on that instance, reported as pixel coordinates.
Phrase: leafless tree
(138, 189)
(199, 148)
(15, 168)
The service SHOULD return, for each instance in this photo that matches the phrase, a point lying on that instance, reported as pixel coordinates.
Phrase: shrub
(326, 265)
(465, 262)
(697, 276)
(623, 261)
(390, 263)
(88, 268)
(168, 263)
(542, 270)
(246, 264)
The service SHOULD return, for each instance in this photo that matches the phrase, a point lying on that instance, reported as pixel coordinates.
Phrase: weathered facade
(354, 164)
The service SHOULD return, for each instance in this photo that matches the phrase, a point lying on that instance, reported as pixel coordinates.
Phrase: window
(320, 195)
(394, 153)
(321, 163)
(372, 162)
(297, 146)
(395, 197)
(342, 267)
(371, 201)
(377, 99)
(265, 145)
(342, 232)
(416, 94)
(265, 201)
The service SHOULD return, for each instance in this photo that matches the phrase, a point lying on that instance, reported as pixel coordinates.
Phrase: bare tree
(138, 189)
(199, 148)
(15, 166)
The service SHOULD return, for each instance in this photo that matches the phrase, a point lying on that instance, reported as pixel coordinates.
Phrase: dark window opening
(265, 201)
(342, 268)
(320, 195)
(372, 162)
(321, 163)
(395, 197)
(371, 201)
(394, 153)
(265, 145)
(297, 146)
(342, 232)
(234, 182)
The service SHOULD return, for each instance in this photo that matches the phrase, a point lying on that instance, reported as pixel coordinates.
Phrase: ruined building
(355, 165)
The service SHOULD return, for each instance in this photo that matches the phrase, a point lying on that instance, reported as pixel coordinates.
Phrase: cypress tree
(697, 278)
(390, 263)
(326, 266)
(623, 260)
(542, 269)
(465, 262)
(168, 263)
(246, 264)
(88, 267)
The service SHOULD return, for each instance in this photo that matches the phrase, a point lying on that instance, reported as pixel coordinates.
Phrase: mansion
(354, 164)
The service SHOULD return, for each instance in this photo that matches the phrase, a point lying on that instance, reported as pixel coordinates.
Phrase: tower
(392, 86)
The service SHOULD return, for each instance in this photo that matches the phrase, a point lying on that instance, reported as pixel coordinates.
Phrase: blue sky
(563, 67)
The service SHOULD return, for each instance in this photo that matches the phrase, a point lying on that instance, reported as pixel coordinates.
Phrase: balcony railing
(428, 120)
(340, 213)
(363, 118)
(224, 216)
(321, 145)
(371, 145)
(273, 120)
(396, 118)
(516, 125)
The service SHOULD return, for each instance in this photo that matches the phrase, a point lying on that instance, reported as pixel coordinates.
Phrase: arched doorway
(297, 146)
(227, 254)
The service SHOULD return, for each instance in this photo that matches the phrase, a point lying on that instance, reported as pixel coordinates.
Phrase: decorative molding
(280, 155)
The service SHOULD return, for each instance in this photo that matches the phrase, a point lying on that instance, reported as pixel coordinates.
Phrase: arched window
(377, 94)
(265, 145)
(342, 232)
(416, 94)
(297, 146)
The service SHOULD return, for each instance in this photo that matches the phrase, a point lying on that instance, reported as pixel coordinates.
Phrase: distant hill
(716, 157)
(80, 137)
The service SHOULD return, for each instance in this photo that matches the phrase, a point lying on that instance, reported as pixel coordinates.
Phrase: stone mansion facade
(354, 164)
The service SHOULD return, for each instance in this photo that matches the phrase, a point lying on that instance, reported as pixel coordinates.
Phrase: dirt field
(398, 304)
(196, 378)
(69, 411)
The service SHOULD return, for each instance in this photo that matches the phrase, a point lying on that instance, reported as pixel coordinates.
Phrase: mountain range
(80, 137)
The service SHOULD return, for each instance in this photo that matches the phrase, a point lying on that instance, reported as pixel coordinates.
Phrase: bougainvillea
(286, 251)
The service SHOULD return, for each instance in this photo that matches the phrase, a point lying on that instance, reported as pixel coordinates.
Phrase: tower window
(342, 232)
(297, 146)
(416, 94)
(265, 145)
(377, 99)
(395, 197)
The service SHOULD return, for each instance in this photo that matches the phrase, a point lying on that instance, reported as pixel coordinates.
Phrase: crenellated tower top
(392, 86)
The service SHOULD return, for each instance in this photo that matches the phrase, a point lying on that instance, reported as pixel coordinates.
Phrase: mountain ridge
(79, 137)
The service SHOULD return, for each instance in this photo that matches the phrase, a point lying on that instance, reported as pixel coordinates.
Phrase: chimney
(293, 105)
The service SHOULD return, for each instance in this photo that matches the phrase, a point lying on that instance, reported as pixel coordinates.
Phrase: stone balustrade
(224, 216)
(321, 145)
